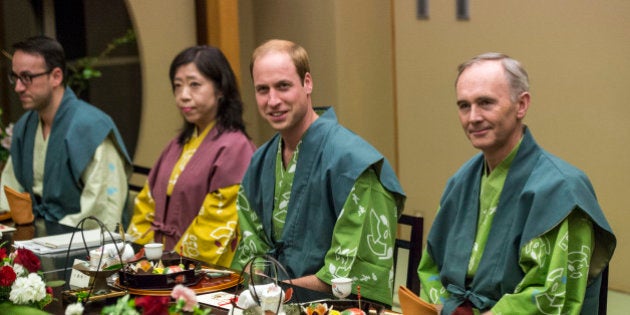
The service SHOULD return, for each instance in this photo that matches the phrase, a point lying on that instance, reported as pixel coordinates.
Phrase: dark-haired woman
(189, 200)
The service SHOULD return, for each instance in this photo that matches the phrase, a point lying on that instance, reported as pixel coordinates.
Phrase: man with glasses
(67, 154)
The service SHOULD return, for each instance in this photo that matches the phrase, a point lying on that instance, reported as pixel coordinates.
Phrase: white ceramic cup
(341, 287)
(153, 251)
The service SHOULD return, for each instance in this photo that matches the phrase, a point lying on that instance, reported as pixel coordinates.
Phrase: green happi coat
(545, 241)
(336, 206)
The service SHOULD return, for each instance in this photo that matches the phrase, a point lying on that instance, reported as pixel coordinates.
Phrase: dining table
(58, 266)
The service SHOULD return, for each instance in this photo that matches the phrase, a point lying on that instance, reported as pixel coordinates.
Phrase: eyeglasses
(26, 78)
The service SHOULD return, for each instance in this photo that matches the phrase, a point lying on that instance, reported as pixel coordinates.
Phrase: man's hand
(311, 282)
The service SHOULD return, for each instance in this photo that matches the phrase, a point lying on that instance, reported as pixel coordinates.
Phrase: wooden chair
(603, 293)
(414, 246)
(135, 186)
(140, 171)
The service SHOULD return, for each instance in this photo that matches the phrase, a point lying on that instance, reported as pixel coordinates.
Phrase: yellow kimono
(206, 165)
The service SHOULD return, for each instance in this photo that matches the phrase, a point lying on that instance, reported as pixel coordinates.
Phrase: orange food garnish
(316, 309)
(144, 265)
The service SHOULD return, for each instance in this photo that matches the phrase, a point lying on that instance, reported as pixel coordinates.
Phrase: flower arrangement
(185, 303)
(5, 140)
(21, 281)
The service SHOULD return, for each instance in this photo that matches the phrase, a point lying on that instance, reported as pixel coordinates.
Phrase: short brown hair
(297, 53)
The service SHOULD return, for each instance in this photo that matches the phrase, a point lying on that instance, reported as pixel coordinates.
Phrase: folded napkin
(412, 304)
(269, 295)
(21, 206)
(108, 255)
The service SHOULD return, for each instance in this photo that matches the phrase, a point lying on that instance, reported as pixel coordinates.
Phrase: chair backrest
(603, 293)
(136, 183)
(414, 245)
(140, 171)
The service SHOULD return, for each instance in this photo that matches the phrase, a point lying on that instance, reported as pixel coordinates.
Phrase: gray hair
(516, 75)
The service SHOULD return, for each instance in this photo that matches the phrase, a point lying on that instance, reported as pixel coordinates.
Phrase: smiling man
(67, 154)
(519, 231)
(316, 197)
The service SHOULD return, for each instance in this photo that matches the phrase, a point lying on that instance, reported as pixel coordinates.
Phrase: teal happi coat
(331, 159)
(78, 129)
(540, 191)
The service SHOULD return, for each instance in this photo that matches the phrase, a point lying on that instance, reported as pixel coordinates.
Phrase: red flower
(27, 259)
(3, 253)
(153, 304)
(7, 276)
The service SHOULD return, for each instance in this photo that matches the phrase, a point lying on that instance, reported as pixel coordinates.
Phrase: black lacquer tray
(148, 280)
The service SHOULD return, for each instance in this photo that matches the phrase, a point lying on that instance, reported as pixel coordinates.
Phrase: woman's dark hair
(214, 66)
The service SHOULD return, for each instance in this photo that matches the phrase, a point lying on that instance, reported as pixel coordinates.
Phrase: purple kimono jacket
(218, 162)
